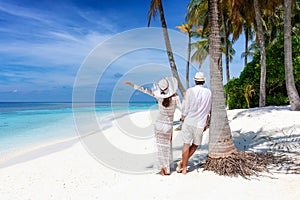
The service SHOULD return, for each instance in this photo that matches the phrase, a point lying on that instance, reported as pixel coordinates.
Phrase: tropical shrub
(243, 92)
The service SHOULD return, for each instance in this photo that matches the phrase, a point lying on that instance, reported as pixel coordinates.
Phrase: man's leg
(187, 149)
(197, 139)
(185, 157)
(191, 151)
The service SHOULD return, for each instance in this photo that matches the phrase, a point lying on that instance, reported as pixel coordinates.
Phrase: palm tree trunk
(262, 91)
(226, 39)
(227, 55)
(220, 139)
(169, 49)
(224, 22)
(246, 45)
(187, 68)
(289, 76)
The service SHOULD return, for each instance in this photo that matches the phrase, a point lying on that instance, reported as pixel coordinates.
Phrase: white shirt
(197, 106)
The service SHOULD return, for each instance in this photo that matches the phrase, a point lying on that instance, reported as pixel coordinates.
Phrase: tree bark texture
(220, 139)
(288, 64)
(262, 91)
(168, 47)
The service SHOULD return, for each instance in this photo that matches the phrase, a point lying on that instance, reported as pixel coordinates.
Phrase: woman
(165, 93)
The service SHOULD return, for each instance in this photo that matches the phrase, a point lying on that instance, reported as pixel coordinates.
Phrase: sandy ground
(70, 169)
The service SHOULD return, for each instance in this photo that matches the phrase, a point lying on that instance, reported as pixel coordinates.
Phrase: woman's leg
(164, 152)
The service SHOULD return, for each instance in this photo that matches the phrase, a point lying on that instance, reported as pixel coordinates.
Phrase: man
(195, 115)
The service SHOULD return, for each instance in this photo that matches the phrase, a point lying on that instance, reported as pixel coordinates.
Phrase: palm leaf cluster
(261, 22)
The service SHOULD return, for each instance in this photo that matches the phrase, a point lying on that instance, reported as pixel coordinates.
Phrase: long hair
(166, 102)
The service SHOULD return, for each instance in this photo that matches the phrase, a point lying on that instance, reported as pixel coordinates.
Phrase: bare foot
(164, 171)
(184, 170)
(178, 168)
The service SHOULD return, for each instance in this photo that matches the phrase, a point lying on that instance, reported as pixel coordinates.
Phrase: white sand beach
(67, 170)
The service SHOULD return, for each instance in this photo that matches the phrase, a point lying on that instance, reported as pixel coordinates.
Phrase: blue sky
(46, 44)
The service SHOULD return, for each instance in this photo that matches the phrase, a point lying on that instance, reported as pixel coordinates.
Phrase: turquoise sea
(23, 125)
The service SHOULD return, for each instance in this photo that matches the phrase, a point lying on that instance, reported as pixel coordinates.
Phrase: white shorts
(191, 134)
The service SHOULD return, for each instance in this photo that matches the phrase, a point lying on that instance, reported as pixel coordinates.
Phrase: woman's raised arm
(140, 88)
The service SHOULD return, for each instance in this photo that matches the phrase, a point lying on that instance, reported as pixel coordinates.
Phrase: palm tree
(198, 15)
(251, 51)
(156, 6)
(273, 18)
(270, 7)
(243, 8)
(242, 17)
(226, 24)
(289, 76)
(220, 141)
(248, 36)
(228, 28)
(187, 28)
(200, 47)
(263, 71)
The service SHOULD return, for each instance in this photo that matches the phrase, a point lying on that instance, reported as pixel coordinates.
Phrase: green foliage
(249, 80)
(248, 93)
(234, 89)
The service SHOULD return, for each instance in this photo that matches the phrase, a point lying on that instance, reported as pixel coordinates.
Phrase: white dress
(164, 130)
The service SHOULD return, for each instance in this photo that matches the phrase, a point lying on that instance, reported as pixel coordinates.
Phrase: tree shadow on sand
(259, 111)
(284, 144)
(277, 151)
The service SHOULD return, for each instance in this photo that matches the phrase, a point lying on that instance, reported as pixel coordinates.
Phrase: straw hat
(199, 76)
(165, 87)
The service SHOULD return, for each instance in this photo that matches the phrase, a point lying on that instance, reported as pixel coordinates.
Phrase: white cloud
(64, 36)
(46, 37)
(103, 23)
(23, 12)
(69, 50)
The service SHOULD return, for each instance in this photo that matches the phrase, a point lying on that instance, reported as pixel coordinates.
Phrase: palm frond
(152, 11)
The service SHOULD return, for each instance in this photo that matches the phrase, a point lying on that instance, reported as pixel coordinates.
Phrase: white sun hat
(165, 87)
(199, 76)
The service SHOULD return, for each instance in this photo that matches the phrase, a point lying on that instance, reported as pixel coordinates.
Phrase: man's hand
(205, 127)
(207, 123)
(182, 118)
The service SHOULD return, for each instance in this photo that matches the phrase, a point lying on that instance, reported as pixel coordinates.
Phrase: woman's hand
(128, 83)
